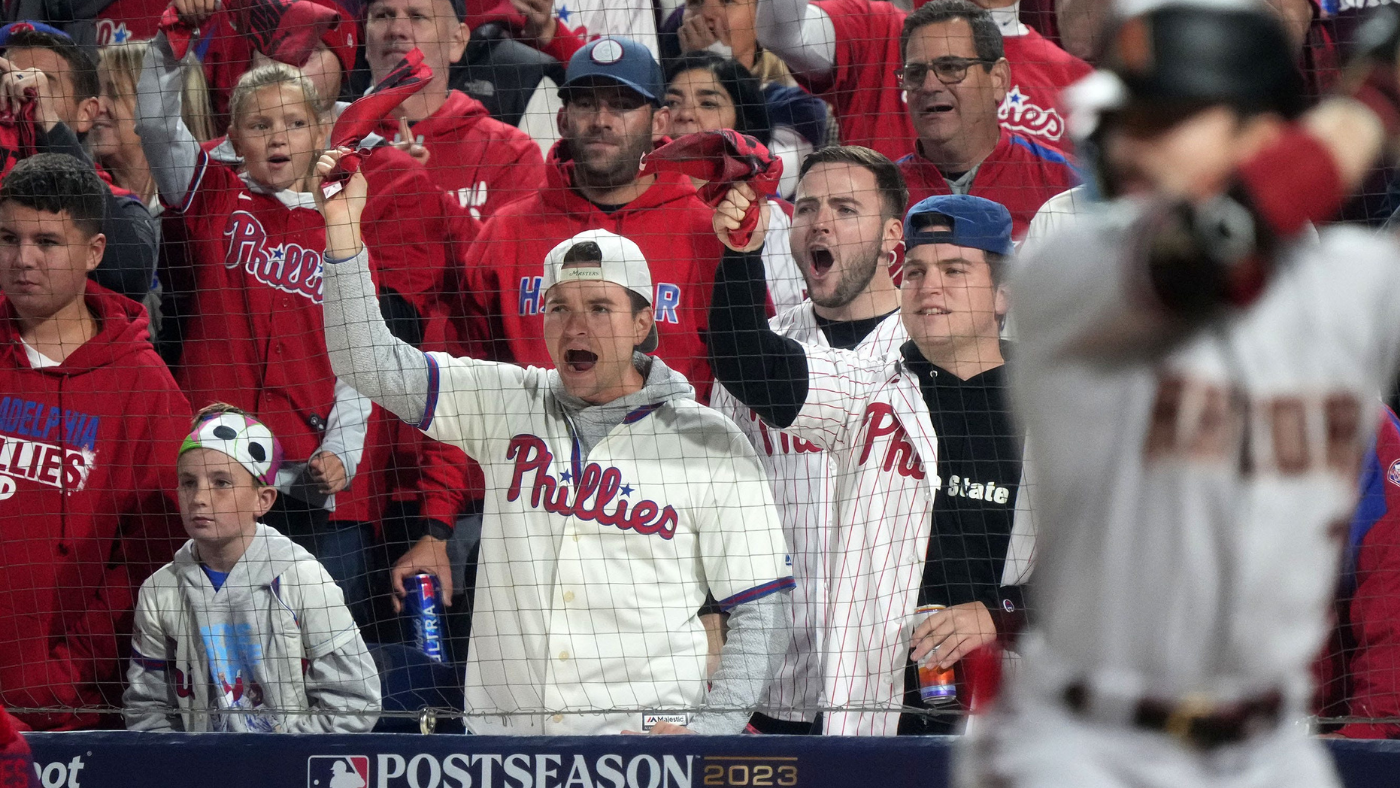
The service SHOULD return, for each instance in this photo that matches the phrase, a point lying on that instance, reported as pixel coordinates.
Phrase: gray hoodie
(232, 659)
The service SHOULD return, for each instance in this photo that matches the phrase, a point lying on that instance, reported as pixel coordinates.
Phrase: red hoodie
(503, 302)
(87, 476)
(485, 163)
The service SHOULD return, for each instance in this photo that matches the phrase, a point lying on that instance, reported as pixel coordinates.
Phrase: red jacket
(869, 103)
(485, 163)
(1018, 173)
(87, 476)
(670, 224)
(1360, 674)
(255, 338)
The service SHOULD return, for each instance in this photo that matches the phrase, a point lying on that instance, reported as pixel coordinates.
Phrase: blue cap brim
(627, 83)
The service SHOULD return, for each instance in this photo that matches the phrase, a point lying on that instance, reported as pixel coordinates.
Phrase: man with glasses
(955, 76)
(847, 51)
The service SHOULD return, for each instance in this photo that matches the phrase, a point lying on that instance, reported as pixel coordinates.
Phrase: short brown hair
(889, 182)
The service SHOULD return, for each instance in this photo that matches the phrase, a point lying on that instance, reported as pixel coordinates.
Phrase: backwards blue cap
(620, 60)
(38, 27)
(960, 220)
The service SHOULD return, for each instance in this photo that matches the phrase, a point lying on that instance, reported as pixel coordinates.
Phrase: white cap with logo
(618, 260)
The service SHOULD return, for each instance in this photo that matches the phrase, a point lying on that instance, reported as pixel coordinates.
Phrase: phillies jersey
(481, 161)
(1225, 454)
(503, 299)
(803, 478)
(869, 102)
(1019, 173)
(1039, 71)
(254, 338)
(593, 567)
(869, 415)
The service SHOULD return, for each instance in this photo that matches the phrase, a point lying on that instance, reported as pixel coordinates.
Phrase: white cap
(620, 261)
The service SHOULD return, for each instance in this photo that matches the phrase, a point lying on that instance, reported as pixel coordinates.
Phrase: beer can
(423, 604)
(937, 686)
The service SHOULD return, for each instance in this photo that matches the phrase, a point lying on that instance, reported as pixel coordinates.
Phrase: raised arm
(364, 354)
(764, 371)
(800, 33)
(170, 148)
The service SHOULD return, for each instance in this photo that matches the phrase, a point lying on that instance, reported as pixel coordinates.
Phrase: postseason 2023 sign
(249, 760)
(245, 760)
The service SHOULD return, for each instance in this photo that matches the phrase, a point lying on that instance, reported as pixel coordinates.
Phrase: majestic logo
(597, 488)
(286, 267)
(900, 457)
(649, 721)
(1017, 113)
(1393, 474)
(337, 771)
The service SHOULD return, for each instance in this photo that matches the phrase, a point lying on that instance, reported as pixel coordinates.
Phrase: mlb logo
(337, 771)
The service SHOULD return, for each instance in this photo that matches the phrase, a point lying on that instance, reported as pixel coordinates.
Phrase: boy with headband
(244, 630)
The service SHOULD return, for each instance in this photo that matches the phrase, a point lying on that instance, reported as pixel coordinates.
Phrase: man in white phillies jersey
(1200, 377)
(615, 503)
(846, 227)
(871, 415)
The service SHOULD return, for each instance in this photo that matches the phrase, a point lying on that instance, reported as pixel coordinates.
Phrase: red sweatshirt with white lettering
(87, 510)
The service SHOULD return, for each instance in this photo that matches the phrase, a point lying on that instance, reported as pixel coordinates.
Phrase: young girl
(244, 630)
(253, 337)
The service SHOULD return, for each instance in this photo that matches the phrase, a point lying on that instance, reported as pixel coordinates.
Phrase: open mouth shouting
(580, 360)
(820, 261)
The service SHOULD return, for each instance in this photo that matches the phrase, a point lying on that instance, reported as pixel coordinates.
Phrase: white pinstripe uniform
(593, 567)
(802, 477)
(870, 416)
(1187, 494)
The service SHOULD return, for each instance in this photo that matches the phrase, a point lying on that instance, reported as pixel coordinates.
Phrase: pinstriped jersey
(801, 475)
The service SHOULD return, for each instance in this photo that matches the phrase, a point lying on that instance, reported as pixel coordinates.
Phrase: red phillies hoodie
(503, 303)
(484, 163)
(87, 479)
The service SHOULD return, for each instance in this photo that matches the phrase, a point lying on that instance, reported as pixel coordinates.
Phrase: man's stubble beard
(854, 280)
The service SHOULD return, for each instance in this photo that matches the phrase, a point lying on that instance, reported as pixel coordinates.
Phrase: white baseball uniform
(803, 479)
(592, 568)
(1188, 487)
(870, 416)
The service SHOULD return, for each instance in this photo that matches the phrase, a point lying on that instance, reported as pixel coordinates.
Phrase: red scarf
(363, 116)
(723, 158)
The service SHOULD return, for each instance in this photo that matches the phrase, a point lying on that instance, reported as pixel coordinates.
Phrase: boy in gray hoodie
(244, 630)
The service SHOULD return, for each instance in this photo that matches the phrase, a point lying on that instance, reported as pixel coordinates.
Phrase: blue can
(423, 603)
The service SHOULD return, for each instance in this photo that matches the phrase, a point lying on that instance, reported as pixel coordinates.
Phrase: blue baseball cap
(20, 27)
(620, 60)
(960, 220)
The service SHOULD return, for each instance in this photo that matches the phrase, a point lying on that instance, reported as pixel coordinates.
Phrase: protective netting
(517, 425)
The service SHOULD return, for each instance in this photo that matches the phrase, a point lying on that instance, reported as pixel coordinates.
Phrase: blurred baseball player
(615, 503)
(1200, 381)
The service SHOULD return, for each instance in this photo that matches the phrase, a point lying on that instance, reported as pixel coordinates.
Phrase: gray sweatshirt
(231, 659)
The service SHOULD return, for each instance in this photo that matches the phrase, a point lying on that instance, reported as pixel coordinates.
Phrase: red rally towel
(285, 30)
(17, 134)
(982, 673)
(723, 158)
(365, 115)
(16, 762)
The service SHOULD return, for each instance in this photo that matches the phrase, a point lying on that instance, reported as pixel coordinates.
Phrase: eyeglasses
(949, 70)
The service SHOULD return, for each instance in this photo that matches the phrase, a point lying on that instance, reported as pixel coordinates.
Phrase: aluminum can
(423, 604)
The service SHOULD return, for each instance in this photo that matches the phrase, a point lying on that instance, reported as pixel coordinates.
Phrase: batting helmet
(1196, 53)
